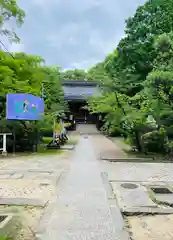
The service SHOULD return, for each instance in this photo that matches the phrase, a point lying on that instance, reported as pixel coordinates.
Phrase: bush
(113, 131)
(116, 132)
(47, 140)
(134, 139)
(169, 131)
(155, 141)
(48, 132)
(135, 134)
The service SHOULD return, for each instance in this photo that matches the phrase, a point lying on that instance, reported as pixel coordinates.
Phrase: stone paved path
(81, 210)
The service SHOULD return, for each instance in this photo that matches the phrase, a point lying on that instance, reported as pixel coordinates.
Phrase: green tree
(10, 10)
(139, 82)
(25, 74)
(75, 74)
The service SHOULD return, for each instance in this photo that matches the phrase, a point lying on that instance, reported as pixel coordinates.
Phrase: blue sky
(73, 33)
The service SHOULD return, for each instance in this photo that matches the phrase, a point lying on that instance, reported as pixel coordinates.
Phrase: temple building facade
(76, 93)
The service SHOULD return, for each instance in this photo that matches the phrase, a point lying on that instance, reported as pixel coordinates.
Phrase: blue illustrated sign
(23, 106)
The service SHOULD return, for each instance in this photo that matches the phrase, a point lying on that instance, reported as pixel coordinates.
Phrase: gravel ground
(35, 171)
(22, 188)
(157, 227)
(152, 227)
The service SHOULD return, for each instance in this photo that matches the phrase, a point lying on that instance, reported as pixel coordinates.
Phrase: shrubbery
(43, 81)
(155, 141)
(137, 82)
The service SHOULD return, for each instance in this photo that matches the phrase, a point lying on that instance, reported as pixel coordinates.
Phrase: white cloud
(71, 33)
(44, 6)
(85, 64)
(96, 41)
(17, 47)
(66, 34)
(52, 40)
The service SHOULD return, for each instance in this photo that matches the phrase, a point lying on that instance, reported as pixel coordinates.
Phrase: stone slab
(67, 147)
(5, 176)
(45, 183)
(146, 210)
(36, 175)
(23, 202)
(43, 221)
(158, 184)
(107, 185)
(165, 198)
(147, 183)
(39, 171)
(143, 172)
(124, 158)
(137, 197)
(114, 208)
(16, 176)
(57, 177)
(136, 160)
(7, 172)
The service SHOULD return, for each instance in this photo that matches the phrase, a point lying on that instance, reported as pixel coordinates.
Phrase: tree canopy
(10, 11)
(138, 75)
(24, 73)
(75, 74)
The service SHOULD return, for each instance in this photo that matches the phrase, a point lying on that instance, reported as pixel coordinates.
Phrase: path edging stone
(119, 226)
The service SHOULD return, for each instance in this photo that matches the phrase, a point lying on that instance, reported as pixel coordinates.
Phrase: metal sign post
(4, 147)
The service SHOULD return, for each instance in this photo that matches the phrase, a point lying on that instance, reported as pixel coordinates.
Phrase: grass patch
(43, 150)
(47, 140)
(21, 226)
(161, 203)
(40, 150)
(151, 195)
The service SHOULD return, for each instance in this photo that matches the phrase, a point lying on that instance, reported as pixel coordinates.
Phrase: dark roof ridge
(79, 83)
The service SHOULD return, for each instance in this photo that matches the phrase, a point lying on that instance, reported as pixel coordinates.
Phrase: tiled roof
(78, 83)
(79, 92)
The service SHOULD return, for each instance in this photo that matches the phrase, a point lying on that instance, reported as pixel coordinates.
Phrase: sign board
(23, 106)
